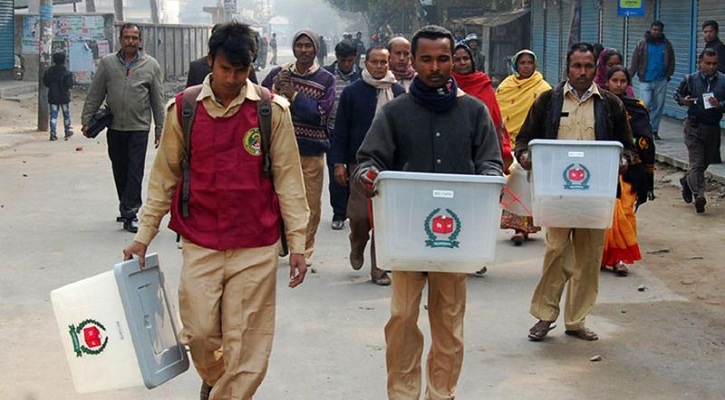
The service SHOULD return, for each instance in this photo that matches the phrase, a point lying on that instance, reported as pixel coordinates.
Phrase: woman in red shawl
(480, 86)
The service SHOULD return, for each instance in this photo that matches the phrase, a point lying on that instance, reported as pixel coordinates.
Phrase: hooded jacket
(59, 81)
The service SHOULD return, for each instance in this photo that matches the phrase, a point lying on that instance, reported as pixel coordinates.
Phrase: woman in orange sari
(516, 95)
(636, 185)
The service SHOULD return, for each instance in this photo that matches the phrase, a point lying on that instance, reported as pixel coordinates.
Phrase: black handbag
(99, 121)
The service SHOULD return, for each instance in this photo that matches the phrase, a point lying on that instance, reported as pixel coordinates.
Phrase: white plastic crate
(435, 222)
(119, 329)
(574, 182)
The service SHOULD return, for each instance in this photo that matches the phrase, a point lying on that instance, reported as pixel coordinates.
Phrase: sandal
(539, 331)
(518, 239)
(620, 268)
(583, 334)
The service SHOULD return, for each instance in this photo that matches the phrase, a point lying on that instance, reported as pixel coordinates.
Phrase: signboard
(630, 8)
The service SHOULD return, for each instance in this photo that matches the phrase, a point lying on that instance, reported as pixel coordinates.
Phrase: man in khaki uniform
(230, 222)
(573, 255)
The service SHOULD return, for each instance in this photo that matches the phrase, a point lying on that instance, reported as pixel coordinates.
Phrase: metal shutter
(7, 35)
(537, 32)
(590, 22)
(678, 17)
(552, 16)
(613, 32)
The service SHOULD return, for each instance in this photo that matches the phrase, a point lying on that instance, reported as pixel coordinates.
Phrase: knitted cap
(310, 34)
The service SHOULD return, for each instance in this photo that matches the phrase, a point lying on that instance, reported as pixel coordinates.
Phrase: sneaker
(656, 136)
(53, 137)
(205, 391)
(700, 204)
(338, 224)
(686, 192)
(68, 135)
(481, 272)
(356, 262)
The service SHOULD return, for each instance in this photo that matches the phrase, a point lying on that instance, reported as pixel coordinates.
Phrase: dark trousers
(701, 148)
(338, 194)
(127, 151)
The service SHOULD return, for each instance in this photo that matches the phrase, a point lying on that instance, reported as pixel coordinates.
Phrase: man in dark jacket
(345, 72)
(436, 128)
(653, 62)
(703, 92)
(574, 110)
(356, 109)
(59, 81)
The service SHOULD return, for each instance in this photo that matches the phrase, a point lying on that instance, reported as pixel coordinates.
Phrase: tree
(400, 15)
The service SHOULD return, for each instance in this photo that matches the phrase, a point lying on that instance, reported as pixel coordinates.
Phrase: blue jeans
(54, 118)
(653, 95)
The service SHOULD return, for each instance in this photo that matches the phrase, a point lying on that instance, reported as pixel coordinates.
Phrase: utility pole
(46, 39)
(118, 9)
(155, 11)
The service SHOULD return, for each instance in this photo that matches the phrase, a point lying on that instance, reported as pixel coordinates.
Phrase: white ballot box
(435, 222)
(119, 329)
(574, 182)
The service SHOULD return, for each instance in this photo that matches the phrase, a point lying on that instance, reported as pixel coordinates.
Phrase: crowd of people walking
(241, 169)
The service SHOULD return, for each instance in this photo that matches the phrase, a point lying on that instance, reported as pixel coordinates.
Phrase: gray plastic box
(119, 329)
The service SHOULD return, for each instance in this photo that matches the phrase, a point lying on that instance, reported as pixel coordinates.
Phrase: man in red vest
(231, 230)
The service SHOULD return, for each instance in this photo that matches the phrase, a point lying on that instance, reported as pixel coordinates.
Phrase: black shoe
(656, 136)
(131, 225)
(68, 135)
(686, 192)
(700, 204)
(53, 137)
(120, 219)
(205, 391)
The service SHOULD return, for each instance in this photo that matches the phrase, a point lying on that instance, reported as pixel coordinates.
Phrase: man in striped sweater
(310, 90)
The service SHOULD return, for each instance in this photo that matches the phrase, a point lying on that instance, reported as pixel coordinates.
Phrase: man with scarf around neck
(653, 62)
(574, 110)
(436, 128)
(358, 104)
(345, 72)
(310, 90)
(400, 61)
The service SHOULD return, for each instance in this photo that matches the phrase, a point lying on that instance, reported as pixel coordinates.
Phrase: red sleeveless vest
(231, 205)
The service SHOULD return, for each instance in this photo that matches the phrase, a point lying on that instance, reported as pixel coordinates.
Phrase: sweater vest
(231, 204)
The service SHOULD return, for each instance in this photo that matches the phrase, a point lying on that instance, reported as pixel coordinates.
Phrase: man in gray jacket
(130, 82)
(435, 128)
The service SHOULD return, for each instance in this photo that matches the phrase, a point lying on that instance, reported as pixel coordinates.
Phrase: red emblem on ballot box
(442, 229)
(89, 337)
(576, 176)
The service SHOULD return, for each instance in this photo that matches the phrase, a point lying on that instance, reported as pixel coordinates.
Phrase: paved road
(57, 207)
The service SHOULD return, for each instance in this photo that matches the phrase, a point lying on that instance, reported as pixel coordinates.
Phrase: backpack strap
(264, 113)
(188, 110)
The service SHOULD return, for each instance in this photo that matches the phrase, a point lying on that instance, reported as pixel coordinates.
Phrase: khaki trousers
(404, 340)
(572, 255)
(313, 172)
(227, 307)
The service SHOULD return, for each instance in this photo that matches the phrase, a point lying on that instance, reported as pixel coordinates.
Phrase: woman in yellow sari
(516, 95)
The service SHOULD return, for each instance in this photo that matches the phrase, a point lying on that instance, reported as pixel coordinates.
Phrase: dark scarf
(650, 39)
(347, 77)
(437, 100)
